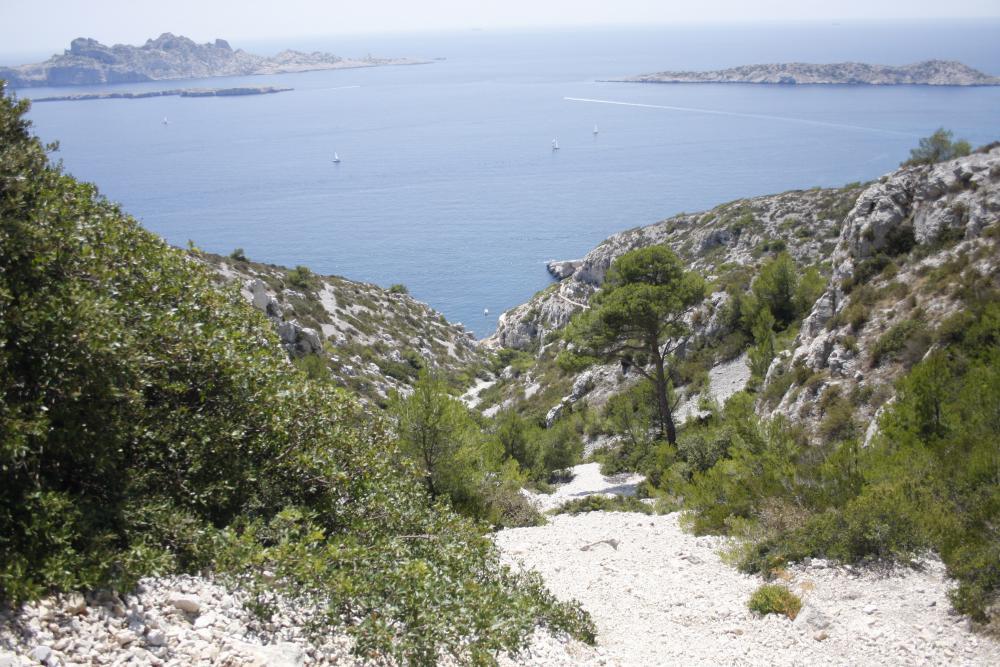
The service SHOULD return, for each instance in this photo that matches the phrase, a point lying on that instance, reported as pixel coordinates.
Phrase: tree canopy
(638, 317)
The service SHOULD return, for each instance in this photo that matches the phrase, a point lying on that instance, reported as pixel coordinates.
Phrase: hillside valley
(762, 433)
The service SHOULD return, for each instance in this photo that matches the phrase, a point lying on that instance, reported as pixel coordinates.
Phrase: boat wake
(719, 112)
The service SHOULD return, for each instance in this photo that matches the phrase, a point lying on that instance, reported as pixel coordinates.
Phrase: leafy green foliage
(398, 288)
(149, 423)
(775, 599)
(938, 147)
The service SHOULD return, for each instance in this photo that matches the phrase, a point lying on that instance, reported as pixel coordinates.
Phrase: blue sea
(448, 182)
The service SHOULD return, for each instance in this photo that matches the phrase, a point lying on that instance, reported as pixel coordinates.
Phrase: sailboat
(595, 129)
(555, 145)
(165, 121)
(336, 158)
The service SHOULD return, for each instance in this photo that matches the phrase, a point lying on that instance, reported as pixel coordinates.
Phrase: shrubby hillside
(369, 339)
(835, 389)
(151, 423)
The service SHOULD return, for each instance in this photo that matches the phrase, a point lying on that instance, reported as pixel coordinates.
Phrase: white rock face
(956, 199)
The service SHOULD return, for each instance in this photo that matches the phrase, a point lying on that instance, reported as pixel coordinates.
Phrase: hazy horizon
(54, 23)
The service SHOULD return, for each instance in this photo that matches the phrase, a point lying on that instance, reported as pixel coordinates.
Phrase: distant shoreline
(926, 73)
(171, 57)
(176, 92)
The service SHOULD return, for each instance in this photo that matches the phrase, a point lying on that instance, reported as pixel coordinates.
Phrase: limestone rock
(563, 269)
(186, 603)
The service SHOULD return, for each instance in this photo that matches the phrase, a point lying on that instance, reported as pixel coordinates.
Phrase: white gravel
(168, 621)
(664, 597)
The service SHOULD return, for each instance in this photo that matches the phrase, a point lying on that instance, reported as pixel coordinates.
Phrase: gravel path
(663, 596)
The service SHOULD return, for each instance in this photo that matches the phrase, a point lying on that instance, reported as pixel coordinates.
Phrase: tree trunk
(667, 427)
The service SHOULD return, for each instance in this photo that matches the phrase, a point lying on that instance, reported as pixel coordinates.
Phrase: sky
(47, 26)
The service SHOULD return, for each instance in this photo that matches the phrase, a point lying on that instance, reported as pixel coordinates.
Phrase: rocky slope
(900, 255)
(913, 248)
(371, 339)
(927, 73)
(804, 222)
(88, 62)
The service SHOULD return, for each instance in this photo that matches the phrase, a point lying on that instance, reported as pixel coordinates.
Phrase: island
(926, 73)
(180, 92)
(88, 62)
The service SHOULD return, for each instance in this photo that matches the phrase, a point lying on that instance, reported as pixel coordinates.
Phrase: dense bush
(150, 423)
(775, 599)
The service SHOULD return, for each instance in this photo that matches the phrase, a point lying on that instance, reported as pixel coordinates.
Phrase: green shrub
(909, 336)
(938, 147)
(398, 288)
(775, 599)
(302, 278)
(598, 503)
(238, 255)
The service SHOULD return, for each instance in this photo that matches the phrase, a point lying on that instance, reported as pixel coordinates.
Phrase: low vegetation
(598, 503)
(938, 147)
(775, 599)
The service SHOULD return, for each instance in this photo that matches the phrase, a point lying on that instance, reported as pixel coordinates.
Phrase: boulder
(186, 603)
(562, 269)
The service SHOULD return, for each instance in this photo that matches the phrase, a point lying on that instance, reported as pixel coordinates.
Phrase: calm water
(448, 183)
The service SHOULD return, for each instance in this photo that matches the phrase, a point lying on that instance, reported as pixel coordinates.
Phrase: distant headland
(926, 73)
(88, 62)
(181, 92)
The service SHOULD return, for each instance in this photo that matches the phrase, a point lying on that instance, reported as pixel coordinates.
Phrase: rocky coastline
(926, 73)
(88, 62)
(175, 92)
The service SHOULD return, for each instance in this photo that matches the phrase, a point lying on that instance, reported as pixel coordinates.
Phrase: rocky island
(926, 73)
(179, 92)
(88, 62)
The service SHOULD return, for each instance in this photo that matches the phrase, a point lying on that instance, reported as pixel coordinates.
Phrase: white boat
(165, 121)
(595, 129)
(336, 158)
(555, 145)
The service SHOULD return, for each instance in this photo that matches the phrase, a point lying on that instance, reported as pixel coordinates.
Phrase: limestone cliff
(914, 248)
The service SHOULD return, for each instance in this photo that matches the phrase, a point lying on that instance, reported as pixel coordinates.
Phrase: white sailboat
(336, 158)
(555, 145)
(165, 121)
(595, 129)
